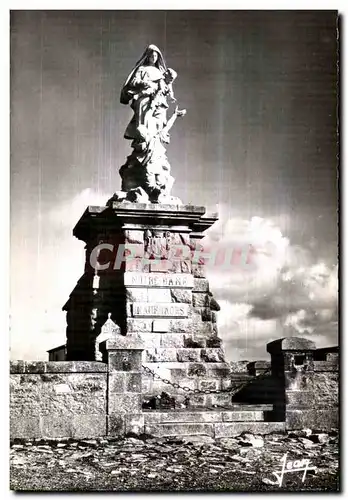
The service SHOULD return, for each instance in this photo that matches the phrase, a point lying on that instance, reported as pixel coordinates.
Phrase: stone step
(186, 416)
(212, 429)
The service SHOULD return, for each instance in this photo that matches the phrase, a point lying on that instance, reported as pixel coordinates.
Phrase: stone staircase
(214, 423)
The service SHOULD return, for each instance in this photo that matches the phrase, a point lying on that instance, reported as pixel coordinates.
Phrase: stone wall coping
(325, 366)
(57, 367)
(290, 344)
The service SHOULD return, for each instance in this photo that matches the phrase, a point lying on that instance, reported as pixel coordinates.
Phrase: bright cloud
(275, 289)
(283, 290)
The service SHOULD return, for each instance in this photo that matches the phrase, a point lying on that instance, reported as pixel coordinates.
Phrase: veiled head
(152, 55)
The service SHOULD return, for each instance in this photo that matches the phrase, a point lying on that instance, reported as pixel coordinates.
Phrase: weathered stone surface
(116, 424)
(299, 399)
(177, 374)
(211, 385)
(153, 309)
(213, 342)
(202, 329)
(151, 340)
(172, 340)
(195, 313)
(182, 417)
(199, 271)
(200, 285)
(125, 342)
(27, 426)
(200, 299)
(57, 367)
(129, 403)
(135, 423)
(183, 296)
(333, 357)
(290, 344)
(122, 361)
(87, 425)
(57, 426)
(17, 366)
(221, 370)
(318, 419)
(49, 404)
(157, 387)
(135, 325)
(194, 341)
(35, 367)
(158, 280)
(116, 383)
(326, 366)
(137, 294)
(197, 370)
(180, 429)
(133, 382)
(188, 355)
(160, 355)
(179, 325)
(206, 314)
(243, 416)
(325, 387)
(230, 429)
(213, 355)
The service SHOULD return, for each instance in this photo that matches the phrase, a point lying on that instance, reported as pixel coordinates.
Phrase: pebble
(173, 459)
(320, 438)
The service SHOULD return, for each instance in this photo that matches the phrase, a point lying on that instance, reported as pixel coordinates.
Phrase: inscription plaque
(173, 310)
(159, 280)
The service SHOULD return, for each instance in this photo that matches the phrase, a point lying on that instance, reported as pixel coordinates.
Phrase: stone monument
(145, 272)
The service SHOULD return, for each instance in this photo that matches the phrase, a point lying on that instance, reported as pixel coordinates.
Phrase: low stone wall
(309, 389)
(58, 399)
(87, 399)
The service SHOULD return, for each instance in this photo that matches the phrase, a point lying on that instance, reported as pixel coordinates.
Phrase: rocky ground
(244, 463)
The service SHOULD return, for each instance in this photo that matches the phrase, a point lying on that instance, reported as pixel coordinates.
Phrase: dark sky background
(259, 137)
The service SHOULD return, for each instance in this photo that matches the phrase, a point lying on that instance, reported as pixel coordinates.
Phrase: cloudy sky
(258, 140)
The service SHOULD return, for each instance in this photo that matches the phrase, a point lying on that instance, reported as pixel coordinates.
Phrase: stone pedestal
(292, 362)
(145, 270)
(124, 412)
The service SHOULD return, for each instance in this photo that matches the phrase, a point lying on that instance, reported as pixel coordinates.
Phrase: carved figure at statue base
(148, 90)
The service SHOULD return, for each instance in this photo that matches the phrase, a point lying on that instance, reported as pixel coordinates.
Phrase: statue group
(146, 176)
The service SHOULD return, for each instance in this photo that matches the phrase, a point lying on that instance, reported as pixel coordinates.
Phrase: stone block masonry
(94, 399)
(149, 280)
(58, 399)
(308, 395)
